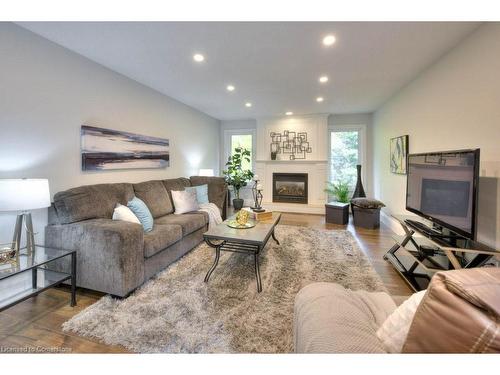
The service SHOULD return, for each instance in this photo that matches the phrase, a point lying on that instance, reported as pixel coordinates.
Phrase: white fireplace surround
(315, 164)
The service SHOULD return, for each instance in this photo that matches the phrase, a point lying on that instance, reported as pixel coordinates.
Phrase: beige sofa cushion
(331, 319)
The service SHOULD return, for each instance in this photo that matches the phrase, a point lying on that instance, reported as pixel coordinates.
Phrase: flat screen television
(443, 186)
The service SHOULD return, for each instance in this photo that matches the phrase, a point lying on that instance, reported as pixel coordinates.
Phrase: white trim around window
(227, 143)
(362, 151)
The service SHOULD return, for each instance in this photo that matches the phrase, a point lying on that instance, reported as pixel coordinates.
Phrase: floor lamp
(24, 195)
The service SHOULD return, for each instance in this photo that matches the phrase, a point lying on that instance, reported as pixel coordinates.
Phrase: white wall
(47, 92)
(455, 104)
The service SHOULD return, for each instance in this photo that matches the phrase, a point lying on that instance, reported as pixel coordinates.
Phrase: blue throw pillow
(142, 212)
(201, 193)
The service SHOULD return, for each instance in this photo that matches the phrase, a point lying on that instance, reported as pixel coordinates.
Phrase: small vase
(273, 155)
(238, 203)
(359, 191)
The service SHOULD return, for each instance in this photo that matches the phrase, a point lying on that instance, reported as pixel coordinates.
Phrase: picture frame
(399, 154)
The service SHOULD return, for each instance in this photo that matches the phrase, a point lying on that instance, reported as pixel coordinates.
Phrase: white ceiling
(274, 65)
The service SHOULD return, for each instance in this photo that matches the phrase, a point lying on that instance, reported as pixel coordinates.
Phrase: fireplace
(290, 187)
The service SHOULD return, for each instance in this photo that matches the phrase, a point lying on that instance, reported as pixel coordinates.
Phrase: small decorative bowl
(236, 225)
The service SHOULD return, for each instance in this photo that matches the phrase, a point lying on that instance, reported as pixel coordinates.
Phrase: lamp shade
(206, 172)
(24, 194)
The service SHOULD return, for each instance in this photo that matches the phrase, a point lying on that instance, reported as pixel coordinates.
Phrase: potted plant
(236, 176)
(339, 190)
(337, 212)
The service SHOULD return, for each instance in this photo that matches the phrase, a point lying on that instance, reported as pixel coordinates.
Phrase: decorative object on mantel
(236, 176)
(104, 149)
(291, 143)
(257, 195)
(24, 195)
(359, 191)
(399, 153)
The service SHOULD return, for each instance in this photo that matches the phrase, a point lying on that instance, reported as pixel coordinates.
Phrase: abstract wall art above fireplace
(104, 149)
(294, 144)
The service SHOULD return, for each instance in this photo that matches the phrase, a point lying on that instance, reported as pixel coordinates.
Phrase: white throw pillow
(185, 201)
(123, 213)
(394, 330)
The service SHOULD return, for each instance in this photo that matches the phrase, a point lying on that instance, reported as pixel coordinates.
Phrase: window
(240, 138)
(245, 141)
(346, 151)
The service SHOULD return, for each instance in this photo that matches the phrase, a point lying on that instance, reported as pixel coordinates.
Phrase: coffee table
(248, 241)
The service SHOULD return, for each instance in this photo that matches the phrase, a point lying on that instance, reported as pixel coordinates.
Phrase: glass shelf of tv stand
(438, 262)
(466, 245)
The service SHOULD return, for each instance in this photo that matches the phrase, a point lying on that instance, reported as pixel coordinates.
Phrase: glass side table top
(40, 256)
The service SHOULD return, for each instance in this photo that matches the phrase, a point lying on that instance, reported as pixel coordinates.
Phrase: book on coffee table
(266, 215)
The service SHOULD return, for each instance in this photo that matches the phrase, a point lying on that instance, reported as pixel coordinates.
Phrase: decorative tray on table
(236, 225)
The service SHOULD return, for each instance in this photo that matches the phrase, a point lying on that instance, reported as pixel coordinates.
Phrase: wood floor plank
(36, 323)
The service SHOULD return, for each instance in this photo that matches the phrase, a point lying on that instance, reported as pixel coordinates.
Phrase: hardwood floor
(36, 323)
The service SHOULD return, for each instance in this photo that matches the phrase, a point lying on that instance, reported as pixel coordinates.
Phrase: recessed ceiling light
(323, 79)
(319, 99)
(198, 57)
(329, 40)
(248, 104)
(230, 88)
(289, 113)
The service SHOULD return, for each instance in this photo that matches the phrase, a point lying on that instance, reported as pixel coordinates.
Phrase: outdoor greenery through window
(245, 141)
(344, 156)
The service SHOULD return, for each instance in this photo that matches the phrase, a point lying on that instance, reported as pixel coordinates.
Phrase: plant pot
(238, 203)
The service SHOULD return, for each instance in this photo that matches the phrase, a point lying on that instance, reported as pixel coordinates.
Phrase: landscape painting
(399, 153)
(105, 149)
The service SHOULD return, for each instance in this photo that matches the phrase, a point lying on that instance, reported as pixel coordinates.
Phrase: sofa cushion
(156, 197)
(331, 319)
(161, 237)
(176, 184)
(217, 188)
(189, 222)
(91, 201)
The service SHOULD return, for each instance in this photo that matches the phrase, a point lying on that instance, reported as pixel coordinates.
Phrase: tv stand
(423, 251)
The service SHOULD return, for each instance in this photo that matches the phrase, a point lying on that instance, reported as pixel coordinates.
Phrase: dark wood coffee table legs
(236, 248)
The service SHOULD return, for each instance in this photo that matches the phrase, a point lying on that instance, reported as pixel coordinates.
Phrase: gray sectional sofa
(114, 256)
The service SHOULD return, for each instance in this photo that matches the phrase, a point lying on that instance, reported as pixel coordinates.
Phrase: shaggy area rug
(177, 312)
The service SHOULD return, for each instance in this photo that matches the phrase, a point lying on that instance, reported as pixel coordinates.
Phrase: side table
(28, 275)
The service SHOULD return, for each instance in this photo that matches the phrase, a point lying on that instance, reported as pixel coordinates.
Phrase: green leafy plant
(339, 190)
(235, 175)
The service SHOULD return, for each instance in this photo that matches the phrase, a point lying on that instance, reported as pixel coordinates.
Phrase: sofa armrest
(331, 319)
(110, 254)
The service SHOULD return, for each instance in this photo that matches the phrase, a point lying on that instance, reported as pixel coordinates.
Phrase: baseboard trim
(391, 223)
